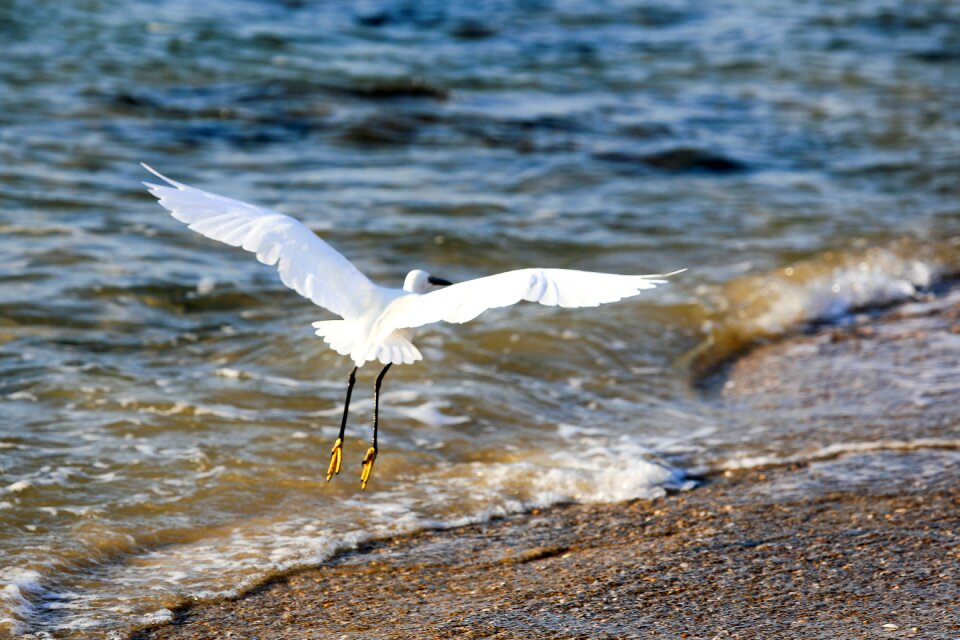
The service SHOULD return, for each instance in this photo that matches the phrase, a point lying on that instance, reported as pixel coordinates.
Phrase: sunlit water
(166, 413)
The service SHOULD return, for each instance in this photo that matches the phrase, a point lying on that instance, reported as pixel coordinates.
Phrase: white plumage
(377, 321)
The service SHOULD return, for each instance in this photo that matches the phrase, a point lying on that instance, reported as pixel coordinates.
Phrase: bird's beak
(439, 282)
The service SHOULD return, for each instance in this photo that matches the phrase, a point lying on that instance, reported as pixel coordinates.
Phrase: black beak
(440, 282)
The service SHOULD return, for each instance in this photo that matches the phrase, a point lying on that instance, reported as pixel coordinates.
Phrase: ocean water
(166, 414)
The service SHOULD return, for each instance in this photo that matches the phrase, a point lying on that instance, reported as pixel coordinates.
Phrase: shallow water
(166, 413)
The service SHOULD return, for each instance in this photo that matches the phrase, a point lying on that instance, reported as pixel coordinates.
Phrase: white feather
(307, 264)
(463, 302)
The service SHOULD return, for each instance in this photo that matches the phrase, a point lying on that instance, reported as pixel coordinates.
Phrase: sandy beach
(835, 564)
(856, 543)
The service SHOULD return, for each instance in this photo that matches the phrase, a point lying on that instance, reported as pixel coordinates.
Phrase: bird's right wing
(463, 302)
(307, 264)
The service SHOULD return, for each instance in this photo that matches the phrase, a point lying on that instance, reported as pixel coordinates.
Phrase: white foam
(205, 285)
(825, 287)
(883, 279)
(233, 374)
(18, 486)
(238, 374)
(160, 616)
(429, 413)
(835, 450)
(188, 409)
(18, 587)
(566, 480)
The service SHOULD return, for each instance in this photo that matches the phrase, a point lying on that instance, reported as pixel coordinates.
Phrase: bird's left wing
(463, 302)
(307, 264)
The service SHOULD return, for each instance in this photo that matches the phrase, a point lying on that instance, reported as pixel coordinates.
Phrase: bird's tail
(343, 337)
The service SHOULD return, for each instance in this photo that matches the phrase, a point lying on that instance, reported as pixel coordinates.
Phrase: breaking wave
(825, 287)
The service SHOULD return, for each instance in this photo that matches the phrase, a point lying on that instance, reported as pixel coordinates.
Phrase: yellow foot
(367, 467)
(336, 457)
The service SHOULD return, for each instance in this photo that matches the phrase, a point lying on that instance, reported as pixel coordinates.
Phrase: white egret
(377, 323)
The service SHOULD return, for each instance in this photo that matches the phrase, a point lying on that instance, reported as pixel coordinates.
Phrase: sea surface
(166, 414)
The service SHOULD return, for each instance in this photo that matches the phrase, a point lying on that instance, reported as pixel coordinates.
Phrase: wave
(837, 450)
(825, 287)
(21, 588)
(224, 561)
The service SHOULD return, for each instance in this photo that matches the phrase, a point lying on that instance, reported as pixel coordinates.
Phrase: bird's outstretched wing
(552, 287)
(307, 264)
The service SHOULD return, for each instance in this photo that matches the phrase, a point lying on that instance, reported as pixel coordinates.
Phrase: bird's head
(419, 281)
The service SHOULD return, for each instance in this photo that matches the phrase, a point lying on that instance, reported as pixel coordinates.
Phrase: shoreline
(729, 559)
(862, 542)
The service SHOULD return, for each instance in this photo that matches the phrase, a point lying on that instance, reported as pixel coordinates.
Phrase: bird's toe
(336, 458)
(368, 460)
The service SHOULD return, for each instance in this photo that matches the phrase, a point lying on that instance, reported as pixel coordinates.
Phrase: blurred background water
(165, 412)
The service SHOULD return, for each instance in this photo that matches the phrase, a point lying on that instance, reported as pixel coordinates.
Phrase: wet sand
(860, 544)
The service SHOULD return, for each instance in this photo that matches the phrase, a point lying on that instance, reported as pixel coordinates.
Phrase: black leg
(346, 403)
(372, 451)
(336, 455)
(376, 402)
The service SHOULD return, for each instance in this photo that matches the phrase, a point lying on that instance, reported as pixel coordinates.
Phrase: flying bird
(378, 323)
